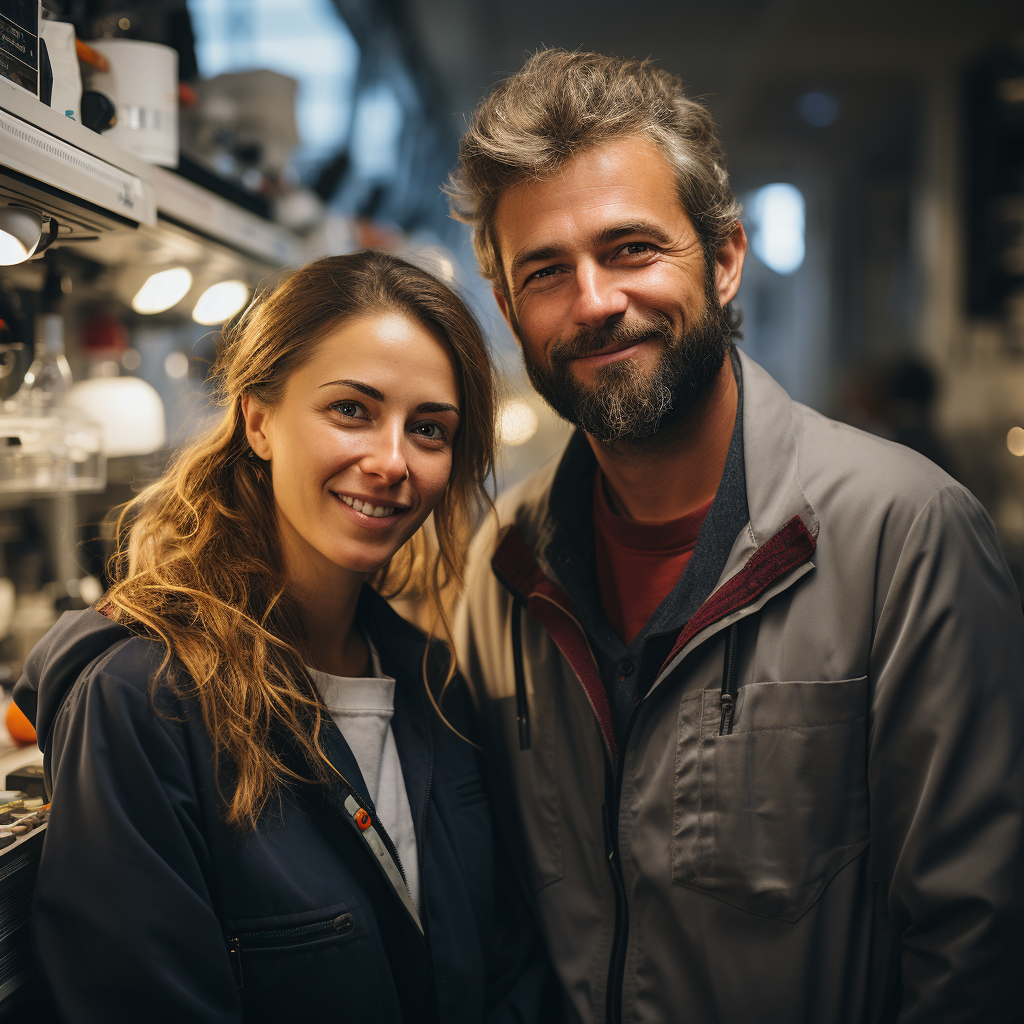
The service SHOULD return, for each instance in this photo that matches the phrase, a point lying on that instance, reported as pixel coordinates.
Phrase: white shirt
(362, 708)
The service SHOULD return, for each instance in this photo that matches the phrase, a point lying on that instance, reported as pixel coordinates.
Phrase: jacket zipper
(620, 938)
(730, 672)
(391, 848)
(340, 924)
(522, 704)
(430, 986)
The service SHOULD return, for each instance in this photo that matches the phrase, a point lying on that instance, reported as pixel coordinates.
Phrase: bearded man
(751, 680)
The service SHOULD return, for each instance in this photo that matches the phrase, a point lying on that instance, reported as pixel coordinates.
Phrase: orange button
(363, 820)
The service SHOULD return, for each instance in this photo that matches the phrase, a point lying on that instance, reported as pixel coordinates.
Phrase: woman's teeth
(374, 511)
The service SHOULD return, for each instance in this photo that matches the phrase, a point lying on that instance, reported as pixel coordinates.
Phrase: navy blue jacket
(150, 907)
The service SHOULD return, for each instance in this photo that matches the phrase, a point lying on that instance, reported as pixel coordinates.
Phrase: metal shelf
(39, 146)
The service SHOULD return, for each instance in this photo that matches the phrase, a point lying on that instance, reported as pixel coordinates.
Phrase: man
(750, 678)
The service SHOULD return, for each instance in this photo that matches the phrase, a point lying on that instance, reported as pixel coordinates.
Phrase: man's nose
(599, 295)
(385, 458)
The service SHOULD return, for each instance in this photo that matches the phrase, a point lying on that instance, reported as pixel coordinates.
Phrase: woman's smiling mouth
(367, 508)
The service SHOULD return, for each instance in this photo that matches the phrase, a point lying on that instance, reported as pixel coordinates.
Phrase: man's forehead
(628, 180)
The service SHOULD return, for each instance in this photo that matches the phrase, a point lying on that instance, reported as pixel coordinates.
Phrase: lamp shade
(20, 231)
(129, 412)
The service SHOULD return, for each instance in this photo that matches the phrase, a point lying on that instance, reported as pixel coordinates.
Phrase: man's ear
(255, 414)
(729, 265)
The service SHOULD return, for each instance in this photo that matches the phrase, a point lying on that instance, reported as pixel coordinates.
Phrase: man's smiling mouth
(368, 508)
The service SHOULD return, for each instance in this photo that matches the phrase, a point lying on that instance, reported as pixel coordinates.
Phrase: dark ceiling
(742, 56)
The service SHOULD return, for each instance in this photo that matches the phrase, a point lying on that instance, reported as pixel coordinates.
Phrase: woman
(240, 829)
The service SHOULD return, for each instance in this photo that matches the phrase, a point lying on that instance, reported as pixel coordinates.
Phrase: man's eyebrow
(610, 234)
(356, 386)
(633, 227)
(542, 252)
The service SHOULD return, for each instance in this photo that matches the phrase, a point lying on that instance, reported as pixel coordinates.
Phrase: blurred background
(161, 160)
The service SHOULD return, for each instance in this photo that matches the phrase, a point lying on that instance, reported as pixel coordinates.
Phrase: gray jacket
(816, 813)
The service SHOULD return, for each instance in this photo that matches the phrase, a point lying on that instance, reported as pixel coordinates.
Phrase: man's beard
(626, 403)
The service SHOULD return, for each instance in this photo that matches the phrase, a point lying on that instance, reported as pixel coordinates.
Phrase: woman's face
(359, 447)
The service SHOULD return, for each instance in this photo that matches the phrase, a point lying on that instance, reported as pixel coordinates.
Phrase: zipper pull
(730, 670)
(235, 956)
(728, 703)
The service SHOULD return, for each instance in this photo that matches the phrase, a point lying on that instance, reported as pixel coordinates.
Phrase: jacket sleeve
(945, 766)
(123, 924)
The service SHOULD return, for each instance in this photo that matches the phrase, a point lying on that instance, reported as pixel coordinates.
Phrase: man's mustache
(589, 340)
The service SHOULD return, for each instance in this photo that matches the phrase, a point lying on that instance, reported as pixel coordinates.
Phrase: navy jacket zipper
(431, 985)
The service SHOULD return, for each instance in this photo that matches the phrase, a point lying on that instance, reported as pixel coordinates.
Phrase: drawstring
(522, 707)
(729, 673)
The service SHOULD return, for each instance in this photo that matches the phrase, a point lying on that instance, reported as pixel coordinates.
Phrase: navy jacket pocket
(280, 964)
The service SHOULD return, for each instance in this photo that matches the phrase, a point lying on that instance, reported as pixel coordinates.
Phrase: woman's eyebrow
(357, 386)
(437, 407)
(378, 396)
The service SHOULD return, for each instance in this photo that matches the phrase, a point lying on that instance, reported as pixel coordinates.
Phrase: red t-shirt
(638, 564)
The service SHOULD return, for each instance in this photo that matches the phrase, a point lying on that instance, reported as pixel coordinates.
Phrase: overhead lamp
(22, 234)
(162, 290)
(220, 302)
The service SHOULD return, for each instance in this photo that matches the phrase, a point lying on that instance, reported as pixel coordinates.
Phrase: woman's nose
(386, 456)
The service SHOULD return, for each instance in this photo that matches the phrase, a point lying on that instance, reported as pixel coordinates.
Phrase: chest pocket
(766, 815)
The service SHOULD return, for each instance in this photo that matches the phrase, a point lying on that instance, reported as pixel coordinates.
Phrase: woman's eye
(431, 431)
(353, 410)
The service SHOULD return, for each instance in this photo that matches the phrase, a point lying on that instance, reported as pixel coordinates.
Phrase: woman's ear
(256, 416)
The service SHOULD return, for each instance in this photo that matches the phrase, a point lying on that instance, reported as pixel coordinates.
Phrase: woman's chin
(363, 564)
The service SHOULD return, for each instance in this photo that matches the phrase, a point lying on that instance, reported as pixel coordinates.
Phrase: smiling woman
(382, 437)
(259, 809)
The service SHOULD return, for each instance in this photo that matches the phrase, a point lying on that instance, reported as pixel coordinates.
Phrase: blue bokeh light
(777, 213)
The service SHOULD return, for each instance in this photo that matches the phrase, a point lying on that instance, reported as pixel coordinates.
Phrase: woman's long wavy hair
(195, 563)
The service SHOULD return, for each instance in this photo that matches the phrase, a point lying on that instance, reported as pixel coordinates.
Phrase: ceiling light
(21, 234)
(220, 302)
(162, 290)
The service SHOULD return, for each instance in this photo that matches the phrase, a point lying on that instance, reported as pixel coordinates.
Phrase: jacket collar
(771, 468)
(771, 463)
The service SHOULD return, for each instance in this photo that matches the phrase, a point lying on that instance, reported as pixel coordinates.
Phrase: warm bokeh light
(176, 365)
(220, 302)
(1015, 440)
(517, 422)
(163, 290)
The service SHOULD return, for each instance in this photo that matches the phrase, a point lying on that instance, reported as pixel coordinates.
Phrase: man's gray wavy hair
(563, 103)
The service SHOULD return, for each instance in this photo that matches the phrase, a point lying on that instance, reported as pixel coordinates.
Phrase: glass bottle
(48, 378)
